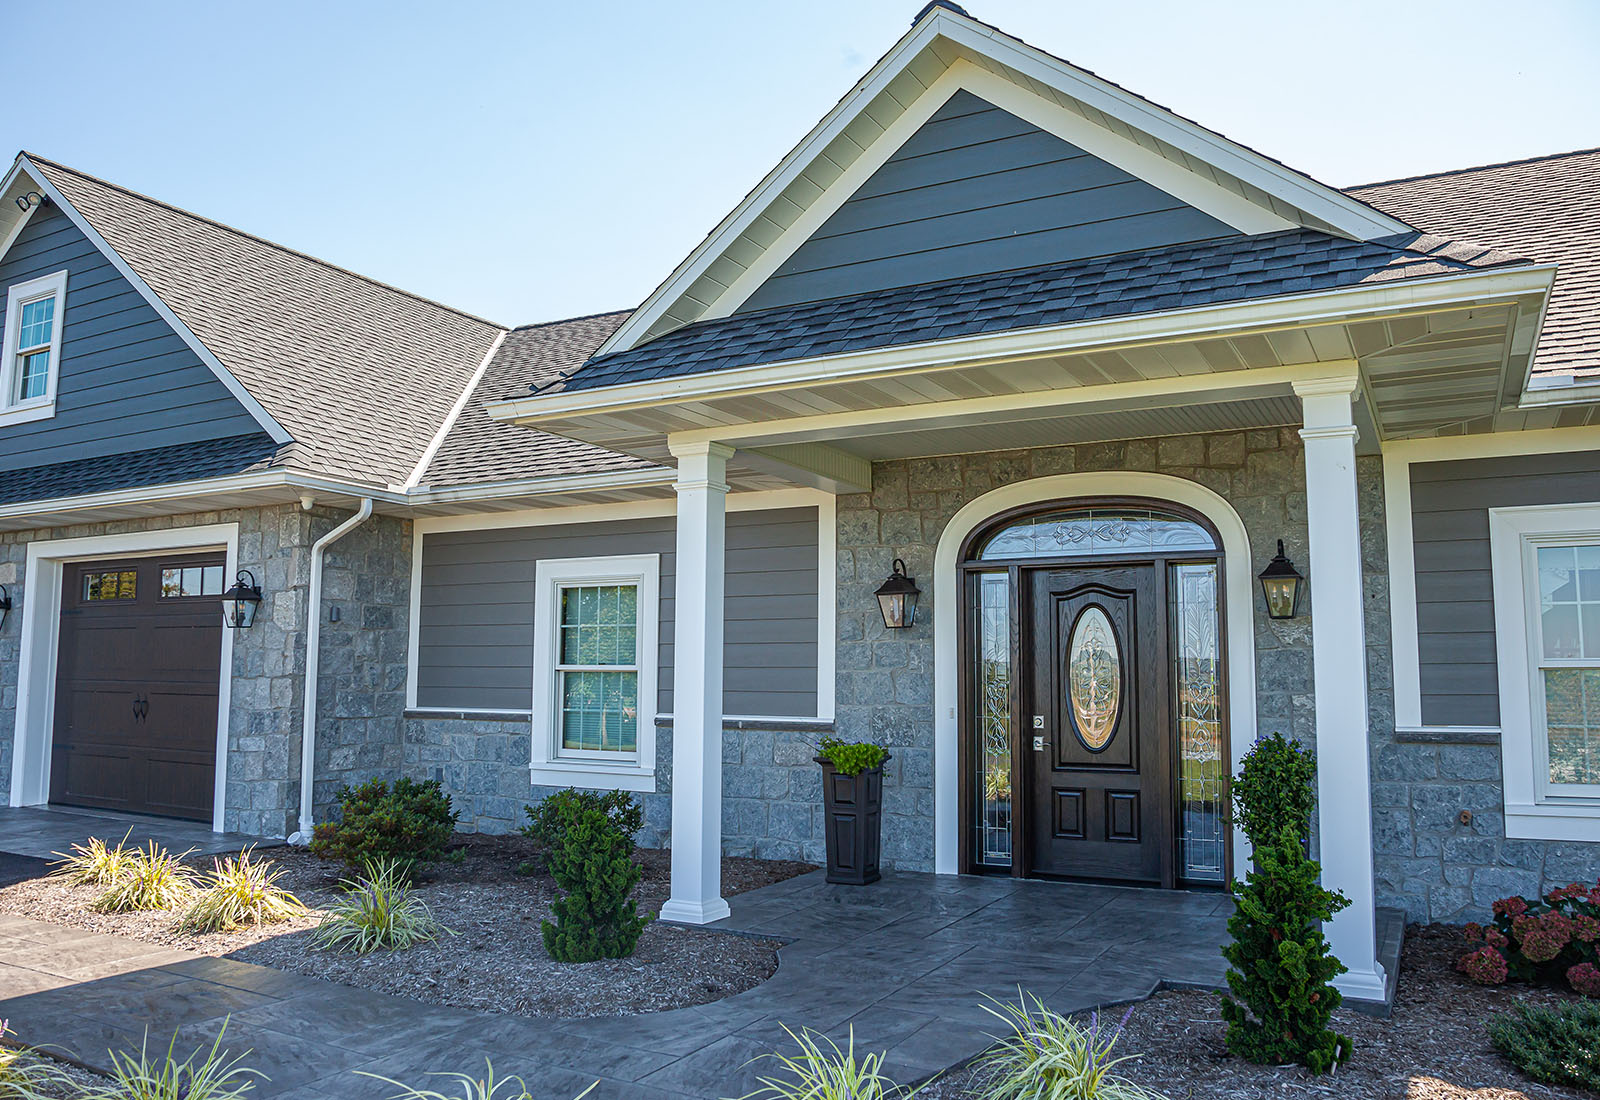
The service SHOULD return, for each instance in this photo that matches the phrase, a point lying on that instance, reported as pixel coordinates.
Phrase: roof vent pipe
(308, 720)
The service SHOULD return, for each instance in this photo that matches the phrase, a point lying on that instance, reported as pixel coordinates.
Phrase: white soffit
(944, 52)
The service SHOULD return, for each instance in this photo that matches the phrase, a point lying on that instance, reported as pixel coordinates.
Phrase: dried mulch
(1434, 1047)
(496, 960)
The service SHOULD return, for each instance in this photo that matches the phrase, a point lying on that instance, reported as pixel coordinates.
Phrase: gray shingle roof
(1547, 208)
(478, 449)
(141, 469)
(361, 374)
(1152, 280)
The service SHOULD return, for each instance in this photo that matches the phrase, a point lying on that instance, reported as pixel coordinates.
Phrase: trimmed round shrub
(408, 824)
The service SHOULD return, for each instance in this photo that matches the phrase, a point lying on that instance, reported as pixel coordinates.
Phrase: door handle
(1038, 744)
(141, 707)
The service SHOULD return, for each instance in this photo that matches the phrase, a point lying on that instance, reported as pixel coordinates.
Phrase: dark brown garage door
(136, 686)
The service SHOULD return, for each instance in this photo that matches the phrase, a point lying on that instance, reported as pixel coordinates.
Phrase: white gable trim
(278, 433)
(1317, 201)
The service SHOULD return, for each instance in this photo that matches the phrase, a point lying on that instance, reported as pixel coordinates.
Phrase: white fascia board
(1210, 321)
(454, 414)
(258, 411)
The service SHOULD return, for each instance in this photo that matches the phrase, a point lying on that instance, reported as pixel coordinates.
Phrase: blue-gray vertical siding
(977, 190)
(127, 381)
(1450, 504)
(476, 629)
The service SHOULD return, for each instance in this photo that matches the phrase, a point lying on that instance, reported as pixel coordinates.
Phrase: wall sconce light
(240, 602)
(897, 598)
(1280, 584)
(5, 605)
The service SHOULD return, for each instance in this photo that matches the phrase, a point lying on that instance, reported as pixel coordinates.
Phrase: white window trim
(548, 767)
(1532, 811)
(42, 407)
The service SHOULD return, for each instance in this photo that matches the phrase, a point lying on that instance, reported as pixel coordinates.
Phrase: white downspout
(308, 726)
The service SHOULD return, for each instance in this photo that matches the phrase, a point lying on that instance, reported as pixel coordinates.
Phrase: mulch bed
(496, 960)
(1434, 1047)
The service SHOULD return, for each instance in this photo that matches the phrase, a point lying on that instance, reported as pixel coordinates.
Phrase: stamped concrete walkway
(906, 963)
(44, 831)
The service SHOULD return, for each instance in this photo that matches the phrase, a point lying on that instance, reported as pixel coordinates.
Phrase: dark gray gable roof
(478, 449)
(362, 375)
(1148, 281)
(139, 470)
(1547, 208)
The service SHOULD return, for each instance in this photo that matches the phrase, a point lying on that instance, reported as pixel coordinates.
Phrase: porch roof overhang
(1437, 356)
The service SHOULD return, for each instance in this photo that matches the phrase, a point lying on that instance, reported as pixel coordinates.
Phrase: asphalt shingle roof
(107, 473)
(361, 374)
(1547, 208)
(479, 449)
(1147, 281)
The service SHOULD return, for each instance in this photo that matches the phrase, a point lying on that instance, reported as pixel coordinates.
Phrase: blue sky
(530, 161)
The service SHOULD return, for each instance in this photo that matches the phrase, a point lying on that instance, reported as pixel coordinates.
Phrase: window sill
(557, 774)
(22, 414)
(1576, 820)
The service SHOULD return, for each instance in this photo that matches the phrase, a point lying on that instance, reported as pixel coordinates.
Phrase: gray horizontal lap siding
(1455, 589)
(476, 629)
(977, 190)
(127, 381)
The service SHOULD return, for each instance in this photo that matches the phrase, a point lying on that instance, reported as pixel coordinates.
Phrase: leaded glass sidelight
(1197, 681)
(992, 704)
(1094, 678)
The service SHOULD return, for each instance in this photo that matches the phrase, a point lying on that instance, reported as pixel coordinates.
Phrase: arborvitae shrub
(591, 858)
(1281, 965)
(409, 823)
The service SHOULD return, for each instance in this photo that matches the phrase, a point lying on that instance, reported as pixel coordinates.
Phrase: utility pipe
(308, 721)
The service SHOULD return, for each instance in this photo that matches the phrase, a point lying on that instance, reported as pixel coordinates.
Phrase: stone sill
(753, 724)
(471, 715)
(1447, 735)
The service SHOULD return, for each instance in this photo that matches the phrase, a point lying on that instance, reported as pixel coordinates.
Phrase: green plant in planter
(1556, 1046)
(1280, 979)
(408, 823)
(852, 757)
(590, 855)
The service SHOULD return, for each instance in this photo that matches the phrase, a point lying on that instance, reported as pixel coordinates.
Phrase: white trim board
(453, 415)
(38, 647)
(1398, 458)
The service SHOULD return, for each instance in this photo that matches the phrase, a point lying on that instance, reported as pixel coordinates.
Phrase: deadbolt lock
(1038, 721)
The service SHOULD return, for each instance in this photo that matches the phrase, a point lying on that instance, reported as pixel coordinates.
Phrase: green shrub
(238, 893)
(1048, 1056)
(827, 1073)
(1555, 1046)
(591, 858)
(852, 757)
(207, 1074)
(1551, 939)
(1281, 965)
(409, 823)
(550, 817)
(378, 911)
(153, 879)
(467, 1087)
(95, 863)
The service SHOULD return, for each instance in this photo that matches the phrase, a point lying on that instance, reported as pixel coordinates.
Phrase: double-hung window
(32, 349)
(1547, 623)
(595, 653)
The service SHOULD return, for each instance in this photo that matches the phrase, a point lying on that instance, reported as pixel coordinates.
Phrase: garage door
(136, 685)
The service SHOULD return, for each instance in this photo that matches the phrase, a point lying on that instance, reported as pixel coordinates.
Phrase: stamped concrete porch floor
(906, 963)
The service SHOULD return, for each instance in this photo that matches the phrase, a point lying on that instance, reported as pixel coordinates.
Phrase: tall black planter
(855, 823)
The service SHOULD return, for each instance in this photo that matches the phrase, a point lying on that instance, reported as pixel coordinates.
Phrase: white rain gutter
(308, 726)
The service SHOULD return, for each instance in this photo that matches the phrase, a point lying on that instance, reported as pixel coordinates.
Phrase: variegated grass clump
(1048, 1056)
(466, 1087)
(95, 863)
(239, 892)
(22, 1075)
(207, 1074)
(379, 912)
(153, 879)
(821, 1071)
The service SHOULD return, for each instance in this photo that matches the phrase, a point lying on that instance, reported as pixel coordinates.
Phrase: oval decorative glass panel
(1094, 678)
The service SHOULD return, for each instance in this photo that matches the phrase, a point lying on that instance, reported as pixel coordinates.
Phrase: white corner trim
(827, 605)
(278, 433)
(38, 647)
(1238, 601)
(453, 415)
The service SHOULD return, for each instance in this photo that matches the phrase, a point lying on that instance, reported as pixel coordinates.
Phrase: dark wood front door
(136, 686)
(1095, 705)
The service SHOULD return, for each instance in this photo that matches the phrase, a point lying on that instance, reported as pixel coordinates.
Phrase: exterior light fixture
(897, 598)
(29, 201)
(5, 605)
(1280, 584)
(240, 602)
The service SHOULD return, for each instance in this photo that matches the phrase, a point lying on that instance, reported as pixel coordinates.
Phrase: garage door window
(113, 584)
(191, 580)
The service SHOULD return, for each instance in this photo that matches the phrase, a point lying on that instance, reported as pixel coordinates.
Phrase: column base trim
(1364, 984)
(695, 912)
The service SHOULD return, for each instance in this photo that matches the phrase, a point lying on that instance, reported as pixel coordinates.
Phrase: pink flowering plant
(1553, 939)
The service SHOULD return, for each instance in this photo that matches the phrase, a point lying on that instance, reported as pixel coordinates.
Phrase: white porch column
(697, 686)
(1339, 655)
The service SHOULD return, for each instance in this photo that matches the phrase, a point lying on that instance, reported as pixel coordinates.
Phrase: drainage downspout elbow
(308, 719)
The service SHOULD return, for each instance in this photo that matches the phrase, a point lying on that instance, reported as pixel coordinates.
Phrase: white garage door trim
(40, 644)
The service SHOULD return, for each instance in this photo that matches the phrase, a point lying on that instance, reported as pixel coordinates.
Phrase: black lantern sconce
(1280, 584)
(5, 605)
(240, 602)
(897, 598)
